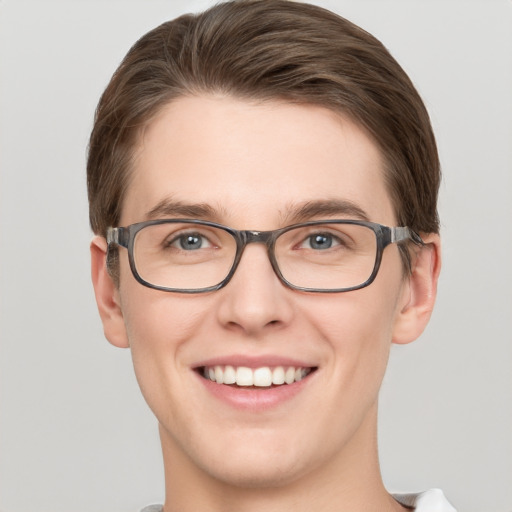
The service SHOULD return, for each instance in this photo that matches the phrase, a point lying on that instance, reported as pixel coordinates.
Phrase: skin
(253, 164)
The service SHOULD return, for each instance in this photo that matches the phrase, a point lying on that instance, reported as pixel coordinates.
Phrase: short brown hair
(267, 50)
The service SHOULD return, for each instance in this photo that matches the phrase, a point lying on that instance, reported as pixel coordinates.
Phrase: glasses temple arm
(118, 236)
(399, 234)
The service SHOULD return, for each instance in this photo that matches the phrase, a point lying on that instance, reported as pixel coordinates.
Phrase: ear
(419, 292)
(107, 295)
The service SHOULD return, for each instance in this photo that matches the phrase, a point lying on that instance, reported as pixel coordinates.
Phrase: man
(263, 183)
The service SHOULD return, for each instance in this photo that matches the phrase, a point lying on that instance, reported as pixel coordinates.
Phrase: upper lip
(254, 361)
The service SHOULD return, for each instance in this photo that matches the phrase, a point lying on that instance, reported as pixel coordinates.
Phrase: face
(255, 166)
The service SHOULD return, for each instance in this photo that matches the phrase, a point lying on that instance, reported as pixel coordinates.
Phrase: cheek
(359, 334)
(358, 328)
(357, 320)
(159, 324)
(155, 320)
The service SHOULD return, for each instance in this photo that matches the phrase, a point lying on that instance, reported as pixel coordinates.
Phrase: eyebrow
(293, 213)
(172, 208)
(326, 208)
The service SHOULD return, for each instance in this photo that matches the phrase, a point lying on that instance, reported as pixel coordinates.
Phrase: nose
(255, 300)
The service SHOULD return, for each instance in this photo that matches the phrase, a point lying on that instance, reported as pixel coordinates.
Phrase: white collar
(428, 501)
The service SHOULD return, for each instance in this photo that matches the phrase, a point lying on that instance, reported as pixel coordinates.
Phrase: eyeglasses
(194, 256)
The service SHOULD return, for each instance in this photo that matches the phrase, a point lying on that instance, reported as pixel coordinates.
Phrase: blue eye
(321, 241)
(190, 242)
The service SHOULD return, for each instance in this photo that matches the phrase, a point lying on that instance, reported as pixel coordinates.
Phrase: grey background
(75, 435)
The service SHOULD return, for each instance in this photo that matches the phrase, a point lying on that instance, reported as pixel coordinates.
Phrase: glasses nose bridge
(257, 237)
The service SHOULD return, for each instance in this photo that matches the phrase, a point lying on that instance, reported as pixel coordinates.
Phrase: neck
(349, 480)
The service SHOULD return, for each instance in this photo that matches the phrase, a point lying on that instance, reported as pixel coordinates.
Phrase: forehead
(254, 162)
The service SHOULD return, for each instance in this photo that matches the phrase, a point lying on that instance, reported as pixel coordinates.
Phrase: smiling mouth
(263, 377)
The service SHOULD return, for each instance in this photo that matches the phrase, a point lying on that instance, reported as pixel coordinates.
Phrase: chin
(257, 460)
(250, 474)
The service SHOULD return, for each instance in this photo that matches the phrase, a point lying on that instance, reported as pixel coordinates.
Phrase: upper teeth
(261, 377)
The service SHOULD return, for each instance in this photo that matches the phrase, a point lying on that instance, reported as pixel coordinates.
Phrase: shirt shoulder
(433, 500)
(153, 508)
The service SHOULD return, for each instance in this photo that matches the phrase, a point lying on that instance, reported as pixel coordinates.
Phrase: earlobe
(107, 295)
(419, 294)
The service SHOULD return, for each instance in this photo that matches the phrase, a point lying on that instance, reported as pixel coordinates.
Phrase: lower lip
(254, 398)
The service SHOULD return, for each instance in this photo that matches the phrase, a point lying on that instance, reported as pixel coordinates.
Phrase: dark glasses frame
(125, 237)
